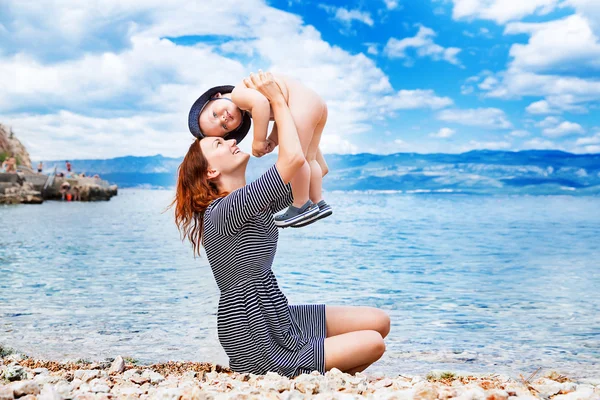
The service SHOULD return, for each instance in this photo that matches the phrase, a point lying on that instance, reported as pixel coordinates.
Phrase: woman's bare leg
(344, 319)
(350, 351)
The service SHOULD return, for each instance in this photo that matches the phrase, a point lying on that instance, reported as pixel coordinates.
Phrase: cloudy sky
(107, 78)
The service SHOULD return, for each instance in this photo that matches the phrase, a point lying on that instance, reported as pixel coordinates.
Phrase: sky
(108, 78)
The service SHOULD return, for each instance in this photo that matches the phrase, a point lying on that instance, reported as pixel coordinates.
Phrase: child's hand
(259, 148)
(270, 146)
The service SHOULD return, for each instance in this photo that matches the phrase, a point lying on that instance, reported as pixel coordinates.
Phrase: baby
(226, 111)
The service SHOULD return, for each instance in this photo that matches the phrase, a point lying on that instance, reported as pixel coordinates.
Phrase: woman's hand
(265, 84)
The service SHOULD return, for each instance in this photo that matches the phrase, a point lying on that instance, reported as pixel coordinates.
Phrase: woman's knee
(383, 323)
(376, 345)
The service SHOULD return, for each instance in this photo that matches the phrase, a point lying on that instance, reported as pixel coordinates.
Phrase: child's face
(219, 117)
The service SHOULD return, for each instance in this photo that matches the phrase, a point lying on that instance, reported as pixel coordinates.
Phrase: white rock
(167, 394)
(580, 394)
(20, 389)
(118, 365)
(472, 393)
(6, 393)
(155, 377)
(129, 373)
(86, 375)
(49, 393)
(41, 371)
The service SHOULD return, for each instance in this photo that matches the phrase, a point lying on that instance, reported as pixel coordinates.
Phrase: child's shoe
(295, 215)
(324, 211)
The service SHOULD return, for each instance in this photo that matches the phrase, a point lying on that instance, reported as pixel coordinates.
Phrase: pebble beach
(29, 379)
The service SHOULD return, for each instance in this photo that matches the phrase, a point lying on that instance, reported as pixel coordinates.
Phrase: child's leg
(322, 163)
(306, 108)
(316, 173)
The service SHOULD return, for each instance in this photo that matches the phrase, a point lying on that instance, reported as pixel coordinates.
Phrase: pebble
(25, 387)
(6, 393)
(117, 366)
(15, 373)
(86, 375)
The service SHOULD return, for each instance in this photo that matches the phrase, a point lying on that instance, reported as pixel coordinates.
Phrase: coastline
(26, 378)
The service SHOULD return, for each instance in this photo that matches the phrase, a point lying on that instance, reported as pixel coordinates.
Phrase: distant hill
(481, 171)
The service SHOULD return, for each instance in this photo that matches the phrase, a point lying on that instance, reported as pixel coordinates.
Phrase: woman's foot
(324, 212)
(294, 215)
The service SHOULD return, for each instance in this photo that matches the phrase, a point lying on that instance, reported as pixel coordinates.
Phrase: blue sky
(117, 77)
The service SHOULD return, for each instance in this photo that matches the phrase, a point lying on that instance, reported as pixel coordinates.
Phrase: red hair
(194, 193)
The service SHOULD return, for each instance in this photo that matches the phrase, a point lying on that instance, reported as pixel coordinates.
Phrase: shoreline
(27, 378)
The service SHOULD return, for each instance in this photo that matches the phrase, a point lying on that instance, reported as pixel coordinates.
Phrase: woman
(233, 220)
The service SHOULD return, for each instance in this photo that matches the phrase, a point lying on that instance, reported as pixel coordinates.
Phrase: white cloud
(539, 144)
(348, 16)
(556, 105)
(556, 63)
(476, 145)
(391, 4)
(424, 46)
(554, 127)
(519, 133)
(554, 45)
(501, 11)
(413, 99)
(490, 118)
(588, 140)
(443, 133)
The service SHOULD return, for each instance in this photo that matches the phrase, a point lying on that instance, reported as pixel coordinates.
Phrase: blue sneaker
(295, 215)
(324, 212)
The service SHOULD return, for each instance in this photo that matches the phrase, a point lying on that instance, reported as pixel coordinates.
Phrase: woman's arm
(290, 157)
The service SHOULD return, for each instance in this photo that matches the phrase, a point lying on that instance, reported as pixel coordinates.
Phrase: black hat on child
(198, 106)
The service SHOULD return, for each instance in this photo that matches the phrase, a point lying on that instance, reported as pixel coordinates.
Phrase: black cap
(198, 106)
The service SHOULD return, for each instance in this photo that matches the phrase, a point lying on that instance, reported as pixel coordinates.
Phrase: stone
(25, 387)
(139, 380)
(496, 394)
(129, 373)
(117, 366)
(425, 391)
(41, 371)
(155, 377)
(49, 393)
(6, 393)
(86, 375)
(15, 372)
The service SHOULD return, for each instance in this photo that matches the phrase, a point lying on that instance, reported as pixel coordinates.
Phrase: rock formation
(9, 144)
(29, 187)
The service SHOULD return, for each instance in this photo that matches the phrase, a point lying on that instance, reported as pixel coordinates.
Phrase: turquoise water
(473, 283)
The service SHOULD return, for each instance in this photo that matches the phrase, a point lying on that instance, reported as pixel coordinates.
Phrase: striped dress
(257, 328)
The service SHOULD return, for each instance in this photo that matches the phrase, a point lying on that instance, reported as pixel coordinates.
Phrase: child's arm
(273, 136)
(253, 101)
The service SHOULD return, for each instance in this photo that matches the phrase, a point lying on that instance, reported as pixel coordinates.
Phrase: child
(230, 119)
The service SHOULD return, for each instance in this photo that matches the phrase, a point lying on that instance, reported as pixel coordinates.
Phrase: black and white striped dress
(257, 328)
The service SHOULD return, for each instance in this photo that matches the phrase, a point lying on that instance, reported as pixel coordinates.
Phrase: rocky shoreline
(29, 379)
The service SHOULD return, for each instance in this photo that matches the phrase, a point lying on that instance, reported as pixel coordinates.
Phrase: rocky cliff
(10, 145)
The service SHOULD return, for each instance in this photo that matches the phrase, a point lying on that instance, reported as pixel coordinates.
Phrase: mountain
(475, 172)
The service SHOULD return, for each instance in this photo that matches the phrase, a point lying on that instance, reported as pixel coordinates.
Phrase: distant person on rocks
(68, 165)
(233, 221)
(4, 165)
(40, 167)
(76, 194)
(64, 189)
(11, 165)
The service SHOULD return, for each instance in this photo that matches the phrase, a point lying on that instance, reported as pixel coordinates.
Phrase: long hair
(193, 195)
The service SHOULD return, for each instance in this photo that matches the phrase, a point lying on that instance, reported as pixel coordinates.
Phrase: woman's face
(224, 156)
(219, 117)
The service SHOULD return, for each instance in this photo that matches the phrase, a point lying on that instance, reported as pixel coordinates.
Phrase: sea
(472, 283)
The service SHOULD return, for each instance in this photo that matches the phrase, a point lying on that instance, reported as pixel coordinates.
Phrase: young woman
(215, 208)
